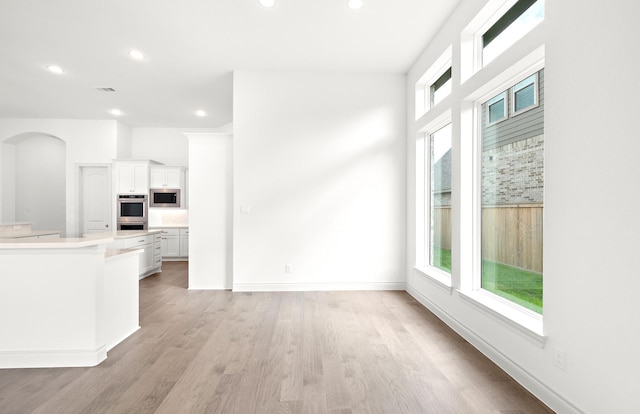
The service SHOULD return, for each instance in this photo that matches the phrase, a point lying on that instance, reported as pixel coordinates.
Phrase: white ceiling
(191, 49)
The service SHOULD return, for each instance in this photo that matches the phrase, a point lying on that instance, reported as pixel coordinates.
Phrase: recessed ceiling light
(201, 112)
(136, 54)
(267, 3)
(116, 112)
(355, 4)
(55, 69)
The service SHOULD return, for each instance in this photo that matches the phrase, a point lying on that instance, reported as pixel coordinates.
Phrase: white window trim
(526, 323)
(536, 92)
(423, 201)
(471, 47)
(423, 85)
(436, 276)
(522, 320)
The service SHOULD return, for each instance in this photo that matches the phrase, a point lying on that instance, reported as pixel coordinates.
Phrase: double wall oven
(132, 212)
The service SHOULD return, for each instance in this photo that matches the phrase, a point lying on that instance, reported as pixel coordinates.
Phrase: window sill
(435, 276)
(525, 323)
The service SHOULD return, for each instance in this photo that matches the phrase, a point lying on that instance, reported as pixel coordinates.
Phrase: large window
(440, 199)
(512, 192)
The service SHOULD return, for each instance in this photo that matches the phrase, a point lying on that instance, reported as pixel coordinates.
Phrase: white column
(210, 211)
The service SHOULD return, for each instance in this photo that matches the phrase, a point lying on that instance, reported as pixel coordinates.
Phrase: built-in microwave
(164, 197)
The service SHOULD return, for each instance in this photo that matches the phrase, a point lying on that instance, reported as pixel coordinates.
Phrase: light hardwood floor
(298, 352)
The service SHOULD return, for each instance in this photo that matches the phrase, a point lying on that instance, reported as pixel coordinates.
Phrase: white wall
(319, 162)
(210, 211)
(123, 140)
(40, 188)
(87, 141)
(8, 184)
(166, 145)
(591, 221)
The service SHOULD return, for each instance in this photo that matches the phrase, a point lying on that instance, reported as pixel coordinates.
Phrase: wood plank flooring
(284, 353)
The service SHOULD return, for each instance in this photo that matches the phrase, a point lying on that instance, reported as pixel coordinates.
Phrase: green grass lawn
(517, 285)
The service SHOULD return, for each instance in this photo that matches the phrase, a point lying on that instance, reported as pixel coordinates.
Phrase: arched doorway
(34, 181)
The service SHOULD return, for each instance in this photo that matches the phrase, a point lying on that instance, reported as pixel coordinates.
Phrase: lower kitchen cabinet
(184, 242)
(151, 258)
(175, 243)
(170, 245)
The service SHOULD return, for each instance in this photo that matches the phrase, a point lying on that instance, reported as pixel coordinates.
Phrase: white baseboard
(310, 287)
(52, 359)
(548, 396)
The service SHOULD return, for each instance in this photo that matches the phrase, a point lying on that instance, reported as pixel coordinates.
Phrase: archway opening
(34, 181)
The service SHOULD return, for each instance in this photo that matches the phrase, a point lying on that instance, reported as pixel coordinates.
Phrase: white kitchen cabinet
(184, 242)
(170, 243)
(167, 177)
(132, 178)
(150, 259)
(175, 243)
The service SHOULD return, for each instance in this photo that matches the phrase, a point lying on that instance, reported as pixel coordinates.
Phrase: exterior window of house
(440, 199)
(524, 95)
(497, 108)
(441, 88)
(512, 190)
(523, 16)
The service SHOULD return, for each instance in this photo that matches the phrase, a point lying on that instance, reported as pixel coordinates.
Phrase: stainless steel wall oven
(132, 212)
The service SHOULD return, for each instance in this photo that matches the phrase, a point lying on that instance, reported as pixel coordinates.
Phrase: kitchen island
(65, 302)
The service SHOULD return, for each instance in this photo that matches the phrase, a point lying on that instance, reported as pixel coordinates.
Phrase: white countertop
(29, 233)
(19, 240)
(125, 234)
(61, 243)
(116, 253)
(168, 227)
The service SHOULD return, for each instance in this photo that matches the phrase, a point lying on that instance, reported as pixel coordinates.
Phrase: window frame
(429, 192)
(503, 96)
(536, 92)
(422, 264)
(438, 84)
(516, 314)
(423, 92)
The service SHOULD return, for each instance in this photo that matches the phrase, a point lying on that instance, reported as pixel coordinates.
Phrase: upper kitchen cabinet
(132, 177)
(167, 177)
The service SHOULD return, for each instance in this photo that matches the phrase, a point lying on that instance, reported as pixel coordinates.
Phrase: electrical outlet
(287, 268)
(559, 358)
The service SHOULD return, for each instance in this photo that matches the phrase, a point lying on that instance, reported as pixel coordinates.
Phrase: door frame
(80, 195)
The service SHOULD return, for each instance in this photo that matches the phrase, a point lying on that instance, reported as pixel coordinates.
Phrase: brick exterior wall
(514, 173)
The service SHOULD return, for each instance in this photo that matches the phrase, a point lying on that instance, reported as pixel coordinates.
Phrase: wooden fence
(511, 234)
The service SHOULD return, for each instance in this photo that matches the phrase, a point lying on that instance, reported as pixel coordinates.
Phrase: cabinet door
(146, 259)
(172, 178)
(172, 246)
(184, 246)
(157, 178)
(133, 178)
(125, 178)
(165, 177)
(141, 178)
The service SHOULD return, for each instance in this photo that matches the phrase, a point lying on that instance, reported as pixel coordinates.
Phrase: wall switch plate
(245, 209)
(559, 358)
(287, 268)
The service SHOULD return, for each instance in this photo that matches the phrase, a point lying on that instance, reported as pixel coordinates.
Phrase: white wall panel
(318, 181)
